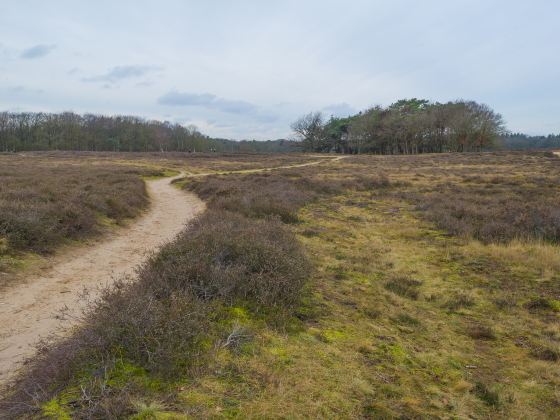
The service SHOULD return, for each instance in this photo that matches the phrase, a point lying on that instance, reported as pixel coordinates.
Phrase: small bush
(540, 304)
(404, 286)
(228, 256)
(481, 332)
(495, 214)
(545, 350)
(491, 398)
(459, 300)
(256, 195)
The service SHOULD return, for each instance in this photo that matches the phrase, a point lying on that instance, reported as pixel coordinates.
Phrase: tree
(309, 129)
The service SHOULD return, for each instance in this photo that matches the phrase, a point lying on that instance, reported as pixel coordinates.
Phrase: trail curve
(30, 310)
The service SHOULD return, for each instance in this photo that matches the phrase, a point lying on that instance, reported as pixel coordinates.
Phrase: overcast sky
(247, 69)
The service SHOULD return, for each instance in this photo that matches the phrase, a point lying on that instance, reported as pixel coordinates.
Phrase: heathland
(420, 286)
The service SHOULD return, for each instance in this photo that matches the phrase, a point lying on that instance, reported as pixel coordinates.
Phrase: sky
(247, 69)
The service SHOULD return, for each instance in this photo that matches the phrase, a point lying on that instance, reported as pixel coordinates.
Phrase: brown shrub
(481, 332)
(278, 193)
(546, 353)
(539, 303)
(128, 323)
(166, 322)
(495, 217)
(228, 256)
(42, 204)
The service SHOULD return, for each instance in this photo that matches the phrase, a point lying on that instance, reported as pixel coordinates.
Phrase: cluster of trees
(69, 131)
(408, 126)
(518, 141)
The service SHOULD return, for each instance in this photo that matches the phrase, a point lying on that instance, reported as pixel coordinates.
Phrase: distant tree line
(408, 126)
(518, 141)
(26, 131)
(405, 127)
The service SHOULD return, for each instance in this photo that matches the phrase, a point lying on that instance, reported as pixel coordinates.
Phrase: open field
(369, 287)
(53, 199)
(193, 162)
(30, 309)
(46, 203)
(101, 194)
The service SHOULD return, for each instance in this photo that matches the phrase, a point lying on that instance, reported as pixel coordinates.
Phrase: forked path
(29, 311)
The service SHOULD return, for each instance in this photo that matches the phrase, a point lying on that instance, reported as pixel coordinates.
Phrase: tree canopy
(408, 126)
(518, 141)
(69, 131)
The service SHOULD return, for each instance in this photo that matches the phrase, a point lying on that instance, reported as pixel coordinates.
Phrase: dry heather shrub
(164, 335)
(159, 333)
(228, 256)
(259, 195)
(41, 205)
(162, 322)
(493, 218)
(481, 332)
(279, 193)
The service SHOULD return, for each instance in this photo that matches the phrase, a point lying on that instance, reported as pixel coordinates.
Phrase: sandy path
(29, 311)
(320, 160)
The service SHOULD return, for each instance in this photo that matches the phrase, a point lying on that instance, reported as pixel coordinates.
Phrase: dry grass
(41, 206)
(193, 162)
(168, 323)
(48, 202)
(403, 316)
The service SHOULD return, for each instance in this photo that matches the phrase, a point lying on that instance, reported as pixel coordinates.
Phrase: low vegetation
(519, 141)
(333, 291)
(183, 307)
(48, 199)
(46, 203)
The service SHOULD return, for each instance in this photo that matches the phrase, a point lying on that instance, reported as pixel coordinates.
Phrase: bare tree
(309, 129)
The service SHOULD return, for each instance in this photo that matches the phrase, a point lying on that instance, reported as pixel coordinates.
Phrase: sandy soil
(31, 310)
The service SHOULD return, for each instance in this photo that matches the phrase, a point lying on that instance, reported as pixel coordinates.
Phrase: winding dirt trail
(30, 310)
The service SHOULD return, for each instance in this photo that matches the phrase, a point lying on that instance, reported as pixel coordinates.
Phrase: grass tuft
(404, 286)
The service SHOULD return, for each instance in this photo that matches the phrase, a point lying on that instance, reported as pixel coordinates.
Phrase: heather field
(419, 286)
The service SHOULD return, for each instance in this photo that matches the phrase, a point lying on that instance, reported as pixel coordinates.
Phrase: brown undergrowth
(403, 316)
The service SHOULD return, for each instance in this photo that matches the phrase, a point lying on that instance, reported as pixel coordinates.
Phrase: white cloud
(266, 63)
